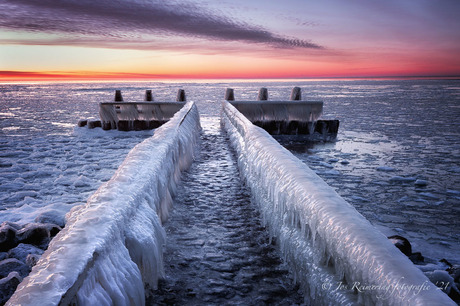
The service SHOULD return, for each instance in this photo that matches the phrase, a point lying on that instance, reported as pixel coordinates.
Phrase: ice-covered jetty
(286, 117)
(112, 247)
(127, 116)
(337, 256)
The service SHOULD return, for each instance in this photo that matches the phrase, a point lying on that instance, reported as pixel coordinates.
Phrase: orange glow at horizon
(241, 69)
(247, 39)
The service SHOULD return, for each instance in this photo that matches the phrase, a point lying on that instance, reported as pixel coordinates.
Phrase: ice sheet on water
(429, 195)
(386, 169)
(402, 179)
(323, 237)
(112, 246)
(46, 171)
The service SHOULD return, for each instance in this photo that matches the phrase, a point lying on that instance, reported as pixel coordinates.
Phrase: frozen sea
(396, 158)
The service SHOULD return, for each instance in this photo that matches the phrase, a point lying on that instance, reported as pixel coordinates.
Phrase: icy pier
(338, 257)
(111, 248)
(217, 251)
(294, 117)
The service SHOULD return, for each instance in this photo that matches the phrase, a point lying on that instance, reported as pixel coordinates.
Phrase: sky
(149, 39)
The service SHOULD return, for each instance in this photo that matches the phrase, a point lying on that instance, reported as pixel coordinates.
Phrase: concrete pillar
(263, 94)
(148, 95)
(181, 96)
(296, 94)
(229, 94)
(118, 97)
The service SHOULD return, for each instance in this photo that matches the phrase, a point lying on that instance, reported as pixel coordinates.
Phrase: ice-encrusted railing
(112, 247)
(337, 256)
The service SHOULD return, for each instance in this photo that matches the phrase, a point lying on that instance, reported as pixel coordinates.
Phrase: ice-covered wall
(337, 256)
(113, 112)
(112, 246)
(302, 111)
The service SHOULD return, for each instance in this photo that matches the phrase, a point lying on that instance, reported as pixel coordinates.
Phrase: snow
(323, 238)
(112, 245)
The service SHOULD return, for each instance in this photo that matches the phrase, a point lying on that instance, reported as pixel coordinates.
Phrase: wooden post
(148, 95)
(296, 94)
(263, 94)
(229, 94)
(118, 97)
(181, 96)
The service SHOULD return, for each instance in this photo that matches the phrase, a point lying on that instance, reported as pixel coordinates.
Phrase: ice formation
(303, 111)
(112, 246)
(113, 112)
(337, 256)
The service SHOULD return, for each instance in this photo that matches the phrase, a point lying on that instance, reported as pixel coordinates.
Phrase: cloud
(139, 20)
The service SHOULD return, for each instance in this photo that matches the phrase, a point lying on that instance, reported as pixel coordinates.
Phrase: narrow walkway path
(218, 253)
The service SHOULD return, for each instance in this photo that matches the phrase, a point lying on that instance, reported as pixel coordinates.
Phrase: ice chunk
(386, 169)
(420, 183)
(401, 179)
(429, 195)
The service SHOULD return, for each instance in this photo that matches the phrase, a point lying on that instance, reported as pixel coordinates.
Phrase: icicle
(337, 233)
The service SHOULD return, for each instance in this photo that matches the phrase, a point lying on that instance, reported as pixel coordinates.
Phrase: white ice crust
(337, 256)
(112, 246)
(302, 111)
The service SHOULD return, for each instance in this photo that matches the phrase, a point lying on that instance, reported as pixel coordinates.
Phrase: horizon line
(25, 76)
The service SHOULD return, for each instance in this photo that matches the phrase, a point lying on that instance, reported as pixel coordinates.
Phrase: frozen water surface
(392, 134)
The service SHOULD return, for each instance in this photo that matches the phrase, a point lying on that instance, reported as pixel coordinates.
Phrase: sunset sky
(149, 39)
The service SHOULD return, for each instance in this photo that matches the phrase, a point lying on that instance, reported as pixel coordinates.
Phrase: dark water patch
(218, 252)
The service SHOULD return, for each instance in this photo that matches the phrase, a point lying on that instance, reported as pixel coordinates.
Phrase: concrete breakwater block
(263, 94)
(94, 124)
(296, 94)
(291, 117)
(118, 96)
(148, 95)
(181, 96)
(135, 116)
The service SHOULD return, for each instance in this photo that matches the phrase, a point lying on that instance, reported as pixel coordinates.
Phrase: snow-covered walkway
(217, 251)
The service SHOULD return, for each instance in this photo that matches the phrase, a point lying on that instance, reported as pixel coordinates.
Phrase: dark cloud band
(117, 19)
